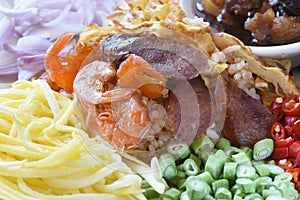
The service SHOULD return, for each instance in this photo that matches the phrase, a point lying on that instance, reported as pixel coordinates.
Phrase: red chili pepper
(277, 131)
(288, 130)
(291, 106)
(287, 163)
(280, 153)
(296, 129)
(276, 108)
(294, 149)
(284, 142)
(288, 120)
(295, 172)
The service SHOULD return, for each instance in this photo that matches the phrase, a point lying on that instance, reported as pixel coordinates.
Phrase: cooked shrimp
(137, 73)
(63, 69)
(122, 114)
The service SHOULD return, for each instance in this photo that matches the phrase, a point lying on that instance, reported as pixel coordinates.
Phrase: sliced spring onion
(167, 163)
(263, 149)
(179, 150)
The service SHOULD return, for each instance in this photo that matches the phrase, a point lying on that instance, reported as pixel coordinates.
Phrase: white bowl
(290, 51)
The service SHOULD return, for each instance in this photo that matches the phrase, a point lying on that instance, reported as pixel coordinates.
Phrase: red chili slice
(291, 106)
(276, 108)
(280, 153)
(288, 130)
(296, 129)
(289, 121)
(287, 163)
(294, 149)
(296, 173)
(277, 131)
(284, 142)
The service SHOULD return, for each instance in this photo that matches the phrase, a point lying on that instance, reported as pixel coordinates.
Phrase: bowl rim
(281, 51)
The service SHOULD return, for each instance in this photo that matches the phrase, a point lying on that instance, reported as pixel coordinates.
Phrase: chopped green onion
(203, 143)
(172, 194)
(245, 171)
(223, 193)
(222, 143)
(263, 149)
(179, 150)
(214, 166)
(190, 167)
(167, 162)
(221, 183)
(229, 170)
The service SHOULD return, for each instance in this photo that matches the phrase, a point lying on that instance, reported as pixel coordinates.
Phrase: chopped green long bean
(179, 150)
(245, 171)
(223, 193)
(203, 143)
(190, 167)
(196, 188)
(221, 183)
(167, 162)
(171, 194)
(214, 166)
(222, 143)
(263, 149)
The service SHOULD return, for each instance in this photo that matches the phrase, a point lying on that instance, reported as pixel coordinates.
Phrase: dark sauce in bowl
(234, 14)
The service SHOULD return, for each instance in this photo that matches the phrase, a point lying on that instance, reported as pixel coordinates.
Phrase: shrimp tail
(62, 75)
